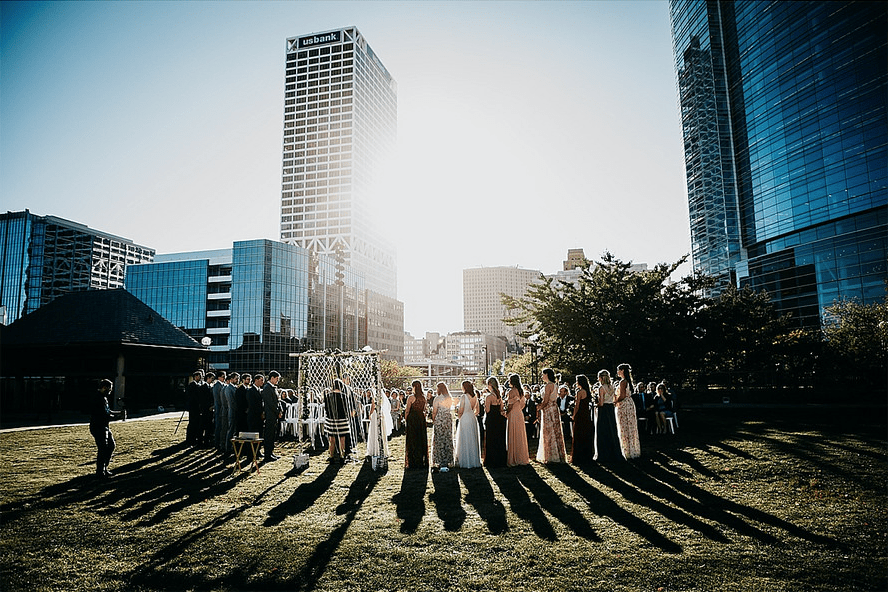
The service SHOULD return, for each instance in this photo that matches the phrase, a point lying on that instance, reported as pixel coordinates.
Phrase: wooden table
(238, 445)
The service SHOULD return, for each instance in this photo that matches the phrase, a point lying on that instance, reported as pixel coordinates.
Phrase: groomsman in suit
(565, 402)
(271, 407)
(530, 414)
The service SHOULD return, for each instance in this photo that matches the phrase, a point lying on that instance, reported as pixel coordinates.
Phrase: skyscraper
(785, 125)
(340, 118)
(43, 257)
(483, 308)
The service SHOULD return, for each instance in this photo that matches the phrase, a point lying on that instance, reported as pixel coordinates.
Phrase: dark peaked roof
(94, 317)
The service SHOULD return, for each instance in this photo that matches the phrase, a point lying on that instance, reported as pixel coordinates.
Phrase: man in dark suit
(242, 404)
(100, 416)
(565, 407)
(271, 406)
(193, 394)
(530, 414)
(254, 404)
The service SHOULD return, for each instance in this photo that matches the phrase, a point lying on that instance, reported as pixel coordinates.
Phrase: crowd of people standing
(224, 404)
(600, 422)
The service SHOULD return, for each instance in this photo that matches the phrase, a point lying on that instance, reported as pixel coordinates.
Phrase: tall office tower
(483, 308)
(783, 108)
(42, 257)
(340, 119)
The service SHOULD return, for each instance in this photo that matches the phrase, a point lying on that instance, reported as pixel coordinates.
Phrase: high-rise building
(783, 108)
(262, 300)
(340, 125)
(43, 257)
(483, 308)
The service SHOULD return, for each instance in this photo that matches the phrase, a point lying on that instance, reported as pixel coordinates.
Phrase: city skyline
(161, 123)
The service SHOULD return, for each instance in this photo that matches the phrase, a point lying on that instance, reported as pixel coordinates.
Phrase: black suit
(564, 404)
(270, 402)
(254, 409)
(530, 416)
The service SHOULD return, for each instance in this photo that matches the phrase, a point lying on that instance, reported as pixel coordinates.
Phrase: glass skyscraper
(783, 108)
(340, 119)
(43, 257)
(258, 302)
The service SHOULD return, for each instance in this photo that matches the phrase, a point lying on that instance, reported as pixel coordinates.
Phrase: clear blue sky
(525, 128)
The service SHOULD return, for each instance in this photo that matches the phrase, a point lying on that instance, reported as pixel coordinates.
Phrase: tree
(612, 315)
(856, 339)
(741, 330)
(395, 375)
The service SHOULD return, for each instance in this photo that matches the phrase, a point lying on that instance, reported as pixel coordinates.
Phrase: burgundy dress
(417, 442)
(584, 433)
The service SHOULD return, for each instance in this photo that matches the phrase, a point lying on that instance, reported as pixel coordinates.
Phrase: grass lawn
(740, 499)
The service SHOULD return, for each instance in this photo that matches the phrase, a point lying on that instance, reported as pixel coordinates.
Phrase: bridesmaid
(607, 442)
(417, 443)
(494, 427)
(468, 437)
(516, 434)
(442, 430)
(551, 447)
(584, 430)
(627, 422)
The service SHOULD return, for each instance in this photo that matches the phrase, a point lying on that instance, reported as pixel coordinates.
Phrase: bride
(468, 437)
(376, 445)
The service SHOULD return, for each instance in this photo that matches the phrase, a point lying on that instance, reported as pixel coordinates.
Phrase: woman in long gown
(442, 430)
(494, 427)
(416, 438)
(516, 435)
(627, 421)
(379, 422)
(607, 442)
(336, 420)
(468, 436)
(551, 447)
(584, 430)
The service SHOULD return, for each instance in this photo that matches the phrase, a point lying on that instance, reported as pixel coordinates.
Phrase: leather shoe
(272, 458)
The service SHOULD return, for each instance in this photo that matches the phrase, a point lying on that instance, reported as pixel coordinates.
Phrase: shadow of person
(550, 501)
(304, 496)
(695, 499)
(410, 500)
(632, 482)
(447, 500)
(603, 505)
(479, 494)
(521, 504)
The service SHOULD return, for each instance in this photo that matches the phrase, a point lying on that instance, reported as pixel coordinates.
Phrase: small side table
(238, 445)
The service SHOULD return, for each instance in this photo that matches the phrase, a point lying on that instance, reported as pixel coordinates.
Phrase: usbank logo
(312, 40)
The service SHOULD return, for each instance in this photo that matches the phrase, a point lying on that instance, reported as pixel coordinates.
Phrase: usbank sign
(312, 40)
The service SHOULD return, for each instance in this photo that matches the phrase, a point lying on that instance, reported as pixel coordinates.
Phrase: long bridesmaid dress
(517, 435)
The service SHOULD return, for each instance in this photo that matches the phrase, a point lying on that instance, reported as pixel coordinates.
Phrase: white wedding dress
(373, 439)
(468, 437)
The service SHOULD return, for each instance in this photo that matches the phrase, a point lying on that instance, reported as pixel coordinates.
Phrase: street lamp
(206, 342)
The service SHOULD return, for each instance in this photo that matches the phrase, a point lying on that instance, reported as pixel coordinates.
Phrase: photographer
(100, 416)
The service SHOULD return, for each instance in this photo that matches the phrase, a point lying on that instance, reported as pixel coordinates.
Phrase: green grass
(753, 499)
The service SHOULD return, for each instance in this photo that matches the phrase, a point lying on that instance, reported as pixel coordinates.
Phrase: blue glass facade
(258, 302)
(785, 125)
(43, 257)
(176, 290)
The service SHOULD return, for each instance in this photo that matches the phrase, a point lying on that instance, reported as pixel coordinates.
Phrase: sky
(524, 129)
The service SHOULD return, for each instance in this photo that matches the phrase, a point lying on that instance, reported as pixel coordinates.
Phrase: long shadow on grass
(549, 499)
(151, 489)
(304, 496)
(317, 563)
(155, 572)
(603, 505)
(410, 501)
(525, 508)
(448, 500)
(696, 500)
(479, 494)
